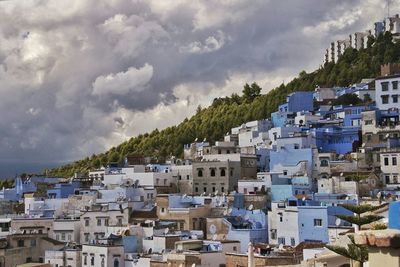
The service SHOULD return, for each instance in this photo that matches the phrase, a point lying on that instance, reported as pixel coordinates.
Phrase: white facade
(67, 257)
(387, 90)
(390, 167)
(66, 230)
(103, 255)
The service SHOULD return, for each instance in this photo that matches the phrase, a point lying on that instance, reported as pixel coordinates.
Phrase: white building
(70, 256)
(98, 217)
(390, 167)
(387, 92)
(103, 255)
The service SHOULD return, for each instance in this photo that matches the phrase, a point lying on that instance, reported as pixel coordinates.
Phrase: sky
(78, 77)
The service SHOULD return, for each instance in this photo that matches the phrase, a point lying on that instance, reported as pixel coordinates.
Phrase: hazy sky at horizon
(77, 77)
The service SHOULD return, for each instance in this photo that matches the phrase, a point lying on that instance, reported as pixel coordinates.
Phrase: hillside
(213, 122)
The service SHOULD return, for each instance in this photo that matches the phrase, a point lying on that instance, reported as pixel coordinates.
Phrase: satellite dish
(246, 217)
(280, 247)
(213, 229)
(216, 192)
(251, 207)
(166, 231)
(304, 199)
(229, 210)
(184, 195)
(338, 221)
(225, 212)
(214, 237)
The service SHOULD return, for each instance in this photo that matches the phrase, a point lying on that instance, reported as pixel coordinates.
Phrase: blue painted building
(339, 139)
(298, 101)
(63, 190)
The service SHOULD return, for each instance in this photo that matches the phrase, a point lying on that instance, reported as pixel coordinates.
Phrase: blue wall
(394, 215)
(307, 230)
(336, 138)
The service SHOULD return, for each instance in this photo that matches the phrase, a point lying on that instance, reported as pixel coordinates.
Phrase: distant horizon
(10, 169)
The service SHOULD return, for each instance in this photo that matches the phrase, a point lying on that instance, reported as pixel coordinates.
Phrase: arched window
(212, 172)
(116, 263)
(324, 163)
(200, 172)
(222, 172)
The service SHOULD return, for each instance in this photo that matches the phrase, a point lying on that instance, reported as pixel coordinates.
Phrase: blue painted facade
(394, 215)
(339, 139)
(298, 101)
(281, 192)
(289, 156)
(131, 244)
(63, 190)
(308, 230)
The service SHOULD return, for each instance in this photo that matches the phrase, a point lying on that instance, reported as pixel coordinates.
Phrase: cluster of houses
(359, 40)
(268, 194)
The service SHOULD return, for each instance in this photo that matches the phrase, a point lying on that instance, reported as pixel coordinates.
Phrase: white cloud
(123, 82)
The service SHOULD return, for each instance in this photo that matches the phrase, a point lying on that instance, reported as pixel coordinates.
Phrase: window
(196, 189)
(296, 146)
(395, 85)
(394, 161)
(385, 99)
(116, 263)
(187, 177)
(179, 177)
(386, 161)
(234, 248)
(222, 189)
(273, 234)
(119, 221)
(284, 172)
(222, 172)
(387, 179)
(212, 172)
(369, 137)
(213, 189)
(98, 222)
(200, 172)
(381, 137)
(395, 179)
(324, 163)
(385, 86)
(69, 237)
(92, 261)
(317, 222)
(86, 222)
(395, 98)
(33, 242)
(86, 237)
(84, 259)
(368, 122)
(106, 221)
(219, 151)
(205, 189)
(281, 240)
(292, 242)
(62, 236)
(20, 243)
(280, 218)
(103, 262)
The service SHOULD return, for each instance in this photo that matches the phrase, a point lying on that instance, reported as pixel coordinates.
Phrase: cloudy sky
(77, 77)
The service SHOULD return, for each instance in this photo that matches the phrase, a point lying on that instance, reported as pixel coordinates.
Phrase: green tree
(347, 99)
(251, 91)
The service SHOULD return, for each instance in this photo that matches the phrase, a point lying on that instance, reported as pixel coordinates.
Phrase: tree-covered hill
(227, 112)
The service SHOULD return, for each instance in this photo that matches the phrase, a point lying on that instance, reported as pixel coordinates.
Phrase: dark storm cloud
(79, 76)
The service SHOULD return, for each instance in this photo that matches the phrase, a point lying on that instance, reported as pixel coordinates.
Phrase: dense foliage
(226, 112)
